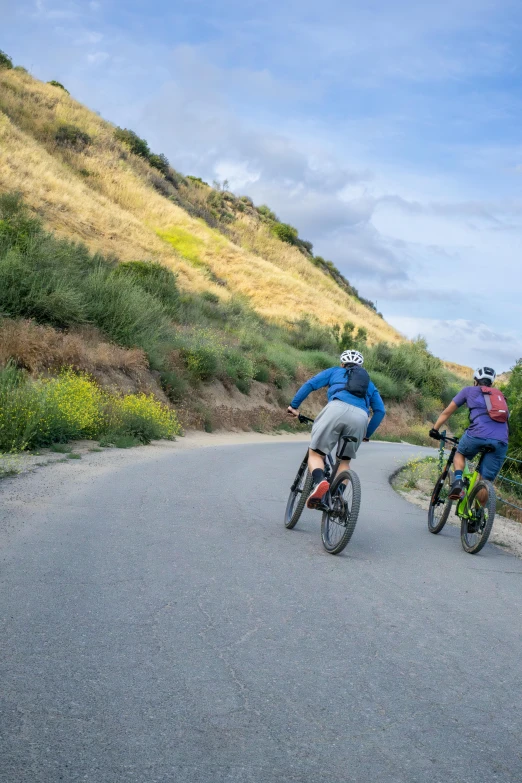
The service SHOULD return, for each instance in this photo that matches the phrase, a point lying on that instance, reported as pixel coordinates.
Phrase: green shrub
(127, 313)
(140, 416)
(17, 227)
(131, 140)
(72, 136)
(310, 335)
(513, 392)
(262, 373)
(20, 69)
(285, 233)
(239, 368)
(5, 60)
(160, 162)
(71, 406)
(58, 84)
(197, 181)
(411, 363)
(387, 387)
(36, 291)
(267, 213)
(210, 296)
(174, 385)
(155, 279)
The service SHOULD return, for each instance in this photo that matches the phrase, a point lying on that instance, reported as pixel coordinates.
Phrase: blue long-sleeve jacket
(335, 379)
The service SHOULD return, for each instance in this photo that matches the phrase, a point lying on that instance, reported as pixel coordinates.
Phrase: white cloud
(464, 341)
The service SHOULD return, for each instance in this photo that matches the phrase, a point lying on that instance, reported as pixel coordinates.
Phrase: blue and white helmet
(352, 357)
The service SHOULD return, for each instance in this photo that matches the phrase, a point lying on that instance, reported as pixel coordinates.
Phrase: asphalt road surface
(158, 623)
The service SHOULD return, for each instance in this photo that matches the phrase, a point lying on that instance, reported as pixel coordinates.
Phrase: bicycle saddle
(487, 449)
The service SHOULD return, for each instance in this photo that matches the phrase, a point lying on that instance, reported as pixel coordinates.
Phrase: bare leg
(345, 465)
(459, 462)
(482, 496)
(315, 461)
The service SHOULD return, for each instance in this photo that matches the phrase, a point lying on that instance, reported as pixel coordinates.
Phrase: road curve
(159, 624)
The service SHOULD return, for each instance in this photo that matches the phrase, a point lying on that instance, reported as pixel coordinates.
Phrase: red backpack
(495, 403)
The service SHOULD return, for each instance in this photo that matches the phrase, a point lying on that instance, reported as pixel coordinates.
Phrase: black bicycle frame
(331, 467)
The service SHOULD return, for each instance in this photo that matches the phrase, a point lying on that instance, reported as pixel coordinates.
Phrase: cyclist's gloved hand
(435, 434)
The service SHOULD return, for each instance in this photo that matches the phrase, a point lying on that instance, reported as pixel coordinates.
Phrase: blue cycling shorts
(490, 464)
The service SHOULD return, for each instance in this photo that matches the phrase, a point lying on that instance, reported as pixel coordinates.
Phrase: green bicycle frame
(463, 509)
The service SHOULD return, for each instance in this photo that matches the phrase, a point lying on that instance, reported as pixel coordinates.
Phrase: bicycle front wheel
(338, 523)
(482, 505)
(440, 504)
(297, 498)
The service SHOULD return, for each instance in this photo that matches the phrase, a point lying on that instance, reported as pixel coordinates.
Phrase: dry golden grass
(40, 349)
(103, 195)
(460, 370)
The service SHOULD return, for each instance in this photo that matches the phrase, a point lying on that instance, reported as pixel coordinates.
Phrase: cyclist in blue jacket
(351, 396)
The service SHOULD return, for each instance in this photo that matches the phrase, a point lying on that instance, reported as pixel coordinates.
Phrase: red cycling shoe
(317, 494)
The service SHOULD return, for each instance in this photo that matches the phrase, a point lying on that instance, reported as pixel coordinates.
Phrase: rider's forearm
(444, 416)
(375, 421)
(301, 395)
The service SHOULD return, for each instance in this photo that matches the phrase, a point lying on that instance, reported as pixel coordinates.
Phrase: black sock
(317, 475)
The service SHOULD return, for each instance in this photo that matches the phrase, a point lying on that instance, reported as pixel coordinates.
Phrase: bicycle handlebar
(446, 438)
(305, 419)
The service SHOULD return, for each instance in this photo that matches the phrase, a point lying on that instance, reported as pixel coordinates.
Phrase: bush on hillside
(17, 226)
(60, 283)
(156, 280)
(350, 336)
(160, 162)
(72, 136)
(285, 233)
(197, 181)
(267, 213)
(5, 60)
(136, 145)
(513, 392)
(309, 334)
(40, 412)
(411, 363)
(58, 84)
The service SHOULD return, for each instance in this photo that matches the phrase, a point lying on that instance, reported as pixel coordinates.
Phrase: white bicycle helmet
(485, 374)
(352, 357)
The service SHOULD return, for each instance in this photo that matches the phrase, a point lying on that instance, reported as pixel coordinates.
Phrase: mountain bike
(475, 508)
(340, 505)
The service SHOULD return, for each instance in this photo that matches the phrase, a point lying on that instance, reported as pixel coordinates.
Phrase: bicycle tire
(328, 521)
(470, 545)
(297, 499)
(443, 484)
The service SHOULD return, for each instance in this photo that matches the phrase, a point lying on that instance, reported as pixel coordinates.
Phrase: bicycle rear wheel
(338, 523)
(299, 492)
(440, 504)
(475, 532)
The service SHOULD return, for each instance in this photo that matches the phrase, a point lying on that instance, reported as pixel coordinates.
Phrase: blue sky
(387, 132)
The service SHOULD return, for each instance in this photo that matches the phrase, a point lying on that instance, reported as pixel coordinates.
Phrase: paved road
(159, 624)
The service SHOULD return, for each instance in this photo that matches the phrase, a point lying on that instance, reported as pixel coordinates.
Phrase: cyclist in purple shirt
(482, 431)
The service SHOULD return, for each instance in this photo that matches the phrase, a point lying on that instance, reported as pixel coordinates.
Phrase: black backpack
(357, 381)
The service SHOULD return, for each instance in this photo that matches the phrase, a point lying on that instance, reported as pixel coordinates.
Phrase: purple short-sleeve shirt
(482, 426)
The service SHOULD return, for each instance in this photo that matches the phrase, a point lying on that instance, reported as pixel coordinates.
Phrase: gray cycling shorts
(335, 420)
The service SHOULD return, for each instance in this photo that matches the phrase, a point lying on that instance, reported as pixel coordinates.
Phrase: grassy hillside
(86, 184)
(114, 265)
